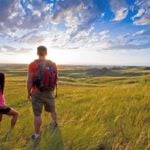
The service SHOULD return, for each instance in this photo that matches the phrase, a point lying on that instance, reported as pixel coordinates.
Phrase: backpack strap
(41, 67)
(51, 63)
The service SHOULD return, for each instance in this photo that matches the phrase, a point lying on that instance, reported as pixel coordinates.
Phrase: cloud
(101, 40)
(37, 13)
(77, 15)
(7, 49)
(129, 41)
(138, 33)
(33, 37)
(6, 6)
(10, 15)
(142, 17)
(144, 35)
(13, 50)
(26, 21)
(145, 20)
(119, 8)
(130, 47)
(126, 41)
(19, 15)
(71, 24)
(139, 13)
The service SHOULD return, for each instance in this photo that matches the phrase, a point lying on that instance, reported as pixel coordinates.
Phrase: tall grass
(103, 116)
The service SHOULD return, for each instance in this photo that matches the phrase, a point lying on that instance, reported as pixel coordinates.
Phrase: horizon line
(116, 65)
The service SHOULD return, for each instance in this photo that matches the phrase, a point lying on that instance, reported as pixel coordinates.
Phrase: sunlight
(58, 56)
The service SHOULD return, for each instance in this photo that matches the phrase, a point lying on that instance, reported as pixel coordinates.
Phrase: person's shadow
(51, 139)
(54, 139)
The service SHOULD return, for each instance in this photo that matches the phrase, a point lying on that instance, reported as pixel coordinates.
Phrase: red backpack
(46, 76)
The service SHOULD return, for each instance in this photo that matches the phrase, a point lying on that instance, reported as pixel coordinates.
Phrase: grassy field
(98, 109)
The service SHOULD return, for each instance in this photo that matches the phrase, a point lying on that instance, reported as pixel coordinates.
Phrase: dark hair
(2, 81)
(42, 51)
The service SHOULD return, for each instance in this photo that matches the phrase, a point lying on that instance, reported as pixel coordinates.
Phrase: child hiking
(4, 109)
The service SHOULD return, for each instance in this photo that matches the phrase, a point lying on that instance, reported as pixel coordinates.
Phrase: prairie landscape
(99, 108)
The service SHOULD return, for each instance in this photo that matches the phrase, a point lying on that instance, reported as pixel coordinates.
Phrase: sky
(78, 32)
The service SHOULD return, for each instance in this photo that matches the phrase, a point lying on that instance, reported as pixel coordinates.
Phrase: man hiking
(41, 82)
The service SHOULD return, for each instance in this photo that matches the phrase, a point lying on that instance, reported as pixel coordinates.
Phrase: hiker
(4, 109)
(41, 82)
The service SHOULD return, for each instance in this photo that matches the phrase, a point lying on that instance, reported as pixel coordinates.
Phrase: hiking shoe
(35, 137)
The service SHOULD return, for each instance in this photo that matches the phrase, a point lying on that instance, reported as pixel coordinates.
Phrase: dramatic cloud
(77, 15)
(73, 24)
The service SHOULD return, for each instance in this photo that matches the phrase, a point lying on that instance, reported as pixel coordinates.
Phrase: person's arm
(29, 84)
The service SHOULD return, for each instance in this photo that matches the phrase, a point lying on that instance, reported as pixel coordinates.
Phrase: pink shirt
(2, 99)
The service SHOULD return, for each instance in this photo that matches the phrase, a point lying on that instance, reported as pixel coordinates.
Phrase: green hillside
(99, 108)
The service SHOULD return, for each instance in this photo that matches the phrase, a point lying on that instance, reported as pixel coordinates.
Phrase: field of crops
(99, 108)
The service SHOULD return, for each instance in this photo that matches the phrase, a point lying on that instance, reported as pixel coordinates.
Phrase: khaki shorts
(40, 99)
